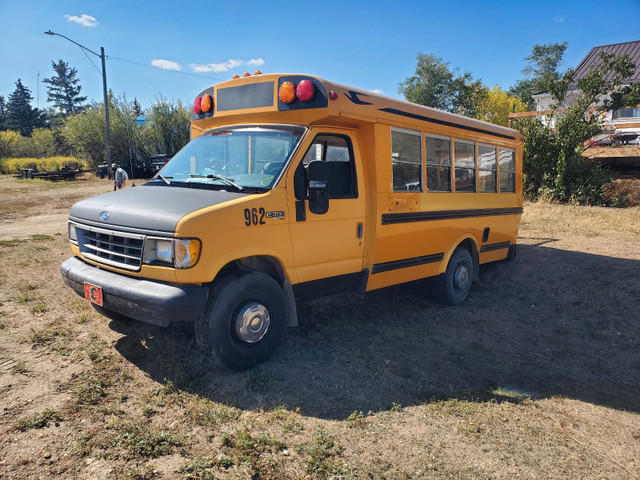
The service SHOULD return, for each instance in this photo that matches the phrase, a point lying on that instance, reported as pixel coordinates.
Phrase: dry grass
(623, 192)
(534, 376)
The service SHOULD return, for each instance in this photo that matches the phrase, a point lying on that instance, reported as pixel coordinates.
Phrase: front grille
(113, 248)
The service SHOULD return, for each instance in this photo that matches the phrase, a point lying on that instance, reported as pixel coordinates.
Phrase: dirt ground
(536, 375)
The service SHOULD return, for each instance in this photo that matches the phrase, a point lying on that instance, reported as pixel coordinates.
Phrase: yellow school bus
(294, 187)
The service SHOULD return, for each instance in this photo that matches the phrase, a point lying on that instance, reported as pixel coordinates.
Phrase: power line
(88, 58)
(109, 57)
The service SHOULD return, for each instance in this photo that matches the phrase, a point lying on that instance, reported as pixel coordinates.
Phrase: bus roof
(259, 96)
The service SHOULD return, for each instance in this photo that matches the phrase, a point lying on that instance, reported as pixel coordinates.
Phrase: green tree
(167, 128)
(553, 163)
(63, 89)
(20, 116)
(137, 108)
(542, 70)
(496, 105)
(436, 85)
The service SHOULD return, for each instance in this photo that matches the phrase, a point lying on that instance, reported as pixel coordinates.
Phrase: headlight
(72, 233)
(178, 252)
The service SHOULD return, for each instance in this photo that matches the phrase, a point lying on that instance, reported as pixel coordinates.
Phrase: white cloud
(225, 66)
(558, 19)
(166, 64)
(84, 20)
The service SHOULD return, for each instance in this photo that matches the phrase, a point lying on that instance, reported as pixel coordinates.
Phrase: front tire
(453, 286)
(243, 322)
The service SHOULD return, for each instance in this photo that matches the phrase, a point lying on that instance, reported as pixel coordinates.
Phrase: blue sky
(369, 45)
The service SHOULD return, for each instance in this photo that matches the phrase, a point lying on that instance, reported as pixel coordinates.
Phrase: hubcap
(461, 277)
(252, 322)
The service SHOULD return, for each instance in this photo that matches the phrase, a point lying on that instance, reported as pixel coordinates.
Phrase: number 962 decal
(256, 216)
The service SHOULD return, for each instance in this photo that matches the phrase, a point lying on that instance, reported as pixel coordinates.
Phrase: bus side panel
(416, 245)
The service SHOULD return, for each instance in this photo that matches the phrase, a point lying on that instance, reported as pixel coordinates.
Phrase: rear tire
(243, 322)
(453, 286)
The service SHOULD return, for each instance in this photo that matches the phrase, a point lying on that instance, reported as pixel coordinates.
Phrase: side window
(487, 168)
(507, 170)
(406, 160)
(336, 151)
(464, 159)
(438, 163)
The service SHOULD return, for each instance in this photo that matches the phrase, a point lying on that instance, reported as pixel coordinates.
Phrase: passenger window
(406, 160)
(507, 170)
(438, 163)
(488, 169)
(336, 151)
(465, 165)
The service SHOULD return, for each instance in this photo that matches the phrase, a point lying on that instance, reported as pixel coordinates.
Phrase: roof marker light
(306, 91)
(287, 92)
(236, 76)
(197, 106)
(246, 74)
(207, 103)
(257, 72)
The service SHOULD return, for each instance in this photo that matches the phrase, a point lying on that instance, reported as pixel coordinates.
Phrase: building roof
(593, 61)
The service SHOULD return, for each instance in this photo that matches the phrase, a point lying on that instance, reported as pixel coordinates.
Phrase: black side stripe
(406, 263)
(409, 217)
(494, 246)
(415, 116)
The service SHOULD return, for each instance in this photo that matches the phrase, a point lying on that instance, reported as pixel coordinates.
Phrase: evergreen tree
(3, 113)
(20, 117)
(137, 108)
(63, 89)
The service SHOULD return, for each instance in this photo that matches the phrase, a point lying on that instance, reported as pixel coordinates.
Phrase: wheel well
(470, 246)
(263, 264)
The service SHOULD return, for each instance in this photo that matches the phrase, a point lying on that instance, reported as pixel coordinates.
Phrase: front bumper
(145, 300)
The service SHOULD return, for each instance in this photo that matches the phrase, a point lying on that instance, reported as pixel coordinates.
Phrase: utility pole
(106, 96)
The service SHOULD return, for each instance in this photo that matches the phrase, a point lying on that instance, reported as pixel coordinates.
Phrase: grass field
(536, 375)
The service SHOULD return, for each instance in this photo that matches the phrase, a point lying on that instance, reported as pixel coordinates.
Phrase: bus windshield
(236, 157)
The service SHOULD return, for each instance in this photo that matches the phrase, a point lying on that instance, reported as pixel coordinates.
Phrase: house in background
(619, 143)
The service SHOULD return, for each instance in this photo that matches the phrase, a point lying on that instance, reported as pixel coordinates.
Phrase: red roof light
(197, 106)
(306, 91)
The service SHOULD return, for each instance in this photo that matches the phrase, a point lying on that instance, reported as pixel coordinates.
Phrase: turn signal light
(197, 106)
(287, 92)
(306, 91)
(207, 103)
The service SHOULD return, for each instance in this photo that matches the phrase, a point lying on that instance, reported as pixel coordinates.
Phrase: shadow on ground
(552, 322)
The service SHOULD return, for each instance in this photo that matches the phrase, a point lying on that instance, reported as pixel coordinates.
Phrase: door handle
(360, 230)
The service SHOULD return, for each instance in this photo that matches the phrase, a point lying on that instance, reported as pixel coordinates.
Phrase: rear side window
(406, 160)
(465, 162)
(438, 163)
(487, 168)
(507, 170)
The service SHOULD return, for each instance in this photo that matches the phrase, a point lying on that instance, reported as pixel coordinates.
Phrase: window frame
(299, 174)
(494, 170)
(514, 156)
(449, 166)
(419, 134)
(475, 162)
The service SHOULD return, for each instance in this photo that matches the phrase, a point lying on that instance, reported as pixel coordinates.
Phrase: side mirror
(317, 185)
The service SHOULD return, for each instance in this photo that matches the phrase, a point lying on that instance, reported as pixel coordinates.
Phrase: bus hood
(149, 208)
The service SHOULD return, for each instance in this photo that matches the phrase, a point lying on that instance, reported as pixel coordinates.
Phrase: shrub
(50, 164)
(622, 193)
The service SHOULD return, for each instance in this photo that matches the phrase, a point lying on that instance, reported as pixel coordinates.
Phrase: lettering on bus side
(256, 216)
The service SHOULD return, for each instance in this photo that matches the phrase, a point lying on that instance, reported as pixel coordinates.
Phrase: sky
(370, 45)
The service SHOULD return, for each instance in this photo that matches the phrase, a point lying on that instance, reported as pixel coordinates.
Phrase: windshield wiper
(218, 177)
(163, 178)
